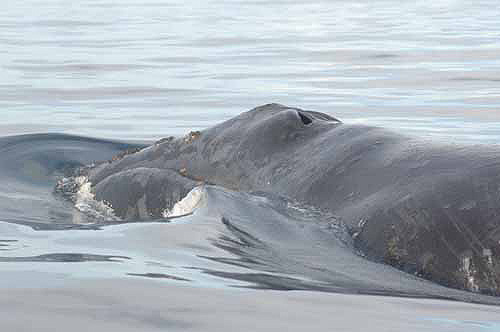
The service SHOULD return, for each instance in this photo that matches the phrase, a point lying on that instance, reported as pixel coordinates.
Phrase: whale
(426, 207)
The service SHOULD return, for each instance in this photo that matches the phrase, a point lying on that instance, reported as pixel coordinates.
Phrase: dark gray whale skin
(427, 208)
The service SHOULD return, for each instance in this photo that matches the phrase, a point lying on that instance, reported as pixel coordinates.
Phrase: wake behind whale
(258, 232)
(30, 165)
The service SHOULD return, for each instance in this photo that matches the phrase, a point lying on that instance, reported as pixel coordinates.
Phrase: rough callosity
(143, 193)
(430, 209)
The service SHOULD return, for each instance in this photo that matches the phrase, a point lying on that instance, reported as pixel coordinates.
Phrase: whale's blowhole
(304, 118)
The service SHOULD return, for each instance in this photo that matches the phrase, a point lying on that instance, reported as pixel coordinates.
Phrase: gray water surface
(146, 69)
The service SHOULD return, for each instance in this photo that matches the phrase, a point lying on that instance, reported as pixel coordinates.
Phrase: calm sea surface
(146, 69)
(142, 70)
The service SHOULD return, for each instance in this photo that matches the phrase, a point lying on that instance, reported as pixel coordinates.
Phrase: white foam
(85, 201)
(187, 205)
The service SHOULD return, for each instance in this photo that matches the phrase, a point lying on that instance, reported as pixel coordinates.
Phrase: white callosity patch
(79, 188)
(187, 205)
(469, 271)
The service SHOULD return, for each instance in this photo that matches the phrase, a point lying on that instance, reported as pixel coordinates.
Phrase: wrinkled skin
(429, 209)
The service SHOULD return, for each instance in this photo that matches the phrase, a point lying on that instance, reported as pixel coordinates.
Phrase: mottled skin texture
(427, 208)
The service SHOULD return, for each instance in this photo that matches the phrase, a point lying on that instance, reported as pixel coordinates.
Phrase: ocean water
(147, 69)
(79, 75)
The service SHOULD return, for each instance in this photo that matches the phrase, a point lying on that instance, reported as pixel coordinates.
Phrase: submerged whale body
(426, 208)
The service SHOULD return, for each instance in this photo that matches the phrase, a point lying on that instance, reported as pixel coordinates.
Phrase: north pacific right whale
(428, 208)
